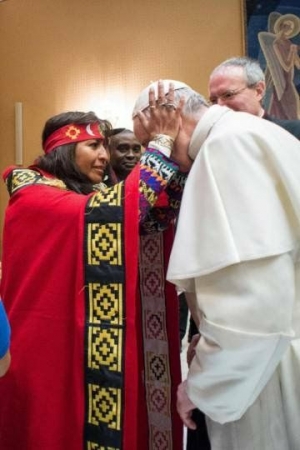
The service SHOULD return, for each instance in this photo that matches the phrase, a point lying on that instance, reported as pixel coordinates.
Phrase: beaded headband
(72, 133)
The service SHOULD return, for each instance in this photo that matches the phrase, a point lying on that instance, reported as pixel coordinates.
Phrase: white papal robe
(237, 255)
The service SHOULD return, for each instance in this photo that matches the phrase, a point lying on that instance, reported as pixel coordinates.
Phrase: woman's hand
(163, 116)
(162, 123)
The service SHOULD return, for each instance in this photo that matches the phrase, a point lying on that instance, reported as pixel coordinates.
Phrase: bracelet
(163, 143)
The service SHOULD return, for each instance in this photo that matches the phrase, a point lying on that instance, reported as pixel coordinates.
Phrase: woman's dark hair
(61, 161)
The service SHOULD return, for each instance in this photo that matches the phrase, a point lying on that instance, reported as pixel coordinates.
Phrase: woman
(74, 297)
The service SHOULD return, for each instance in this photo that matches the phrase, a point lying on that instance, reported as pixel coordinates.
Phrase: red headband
(72, 133)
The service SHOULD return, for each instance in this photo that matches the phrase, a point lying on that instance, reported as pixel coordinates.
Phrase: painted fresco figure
(282, 56)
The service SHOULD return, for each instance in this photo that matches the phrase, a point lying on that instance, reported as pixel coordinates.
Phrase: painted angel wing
(273, 16)
(266, 40)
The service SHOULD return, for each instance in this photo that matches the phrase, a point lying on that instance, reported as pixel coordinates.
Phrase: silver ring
(152, 107)
(170, 105)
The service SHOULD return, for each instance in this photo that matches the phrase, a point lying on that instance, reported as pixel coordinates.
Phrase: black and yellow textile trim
(104, 325)
(20, 178)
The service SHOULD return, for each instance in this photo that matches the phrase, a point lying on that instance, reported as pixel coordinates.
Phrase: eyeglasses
(228, 95)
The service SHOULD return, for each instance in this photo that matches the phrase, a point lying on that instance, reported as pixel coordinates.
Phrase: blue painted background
(257, 13)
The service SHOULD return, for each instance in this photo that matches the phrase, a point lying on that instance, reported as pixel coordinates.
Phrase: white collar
(207, 121)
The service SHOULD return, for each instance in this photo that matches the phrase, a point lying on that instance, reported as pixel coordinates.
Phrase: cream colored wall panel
(59, 55)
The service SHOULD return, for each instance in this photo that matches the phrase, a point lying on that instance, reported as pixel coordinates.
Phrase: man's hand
(185, 406)
(191, 348)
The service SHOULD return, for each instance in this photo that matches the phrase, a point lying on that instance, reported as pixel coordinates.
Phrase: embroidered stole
(131, 378)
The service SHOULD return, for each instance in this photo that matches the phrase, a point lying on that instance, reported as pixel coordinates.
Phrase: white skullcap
(142, 101)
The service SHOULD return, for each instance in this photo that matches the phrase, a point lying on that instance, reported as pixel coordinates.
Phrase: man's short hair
(252, 70)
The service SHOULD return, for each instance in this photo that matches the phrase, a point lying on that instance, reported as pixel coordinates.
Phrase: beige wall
(59, 55)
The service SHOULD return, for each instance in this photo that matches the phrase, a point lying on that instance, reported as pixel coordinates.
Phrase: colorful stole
(105, 320)
(131, 378)
(161, 344)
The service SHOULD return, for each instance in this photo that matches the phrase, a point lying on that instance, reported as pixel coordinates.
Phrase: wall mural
(273, 37)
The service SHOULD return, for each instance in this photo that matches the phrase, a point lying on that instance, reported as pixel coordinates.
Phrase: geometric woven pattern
(148, 193)
(106, 303)
(157, 367)
(94, 446)
(107, 318)
(104, 406)
(158, 399)
(156, 352)
(104, 243)
(104, 330)
(152, 269)
(24, 177)
(151, 251)
(153, 277)
(155, 325)
(104, 348)
(112, 197)
(161, 439)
